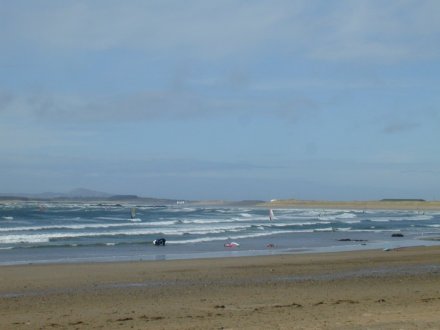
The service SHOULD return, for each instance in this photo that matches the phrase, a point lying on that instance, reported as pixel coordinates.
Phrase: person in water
(159, 241)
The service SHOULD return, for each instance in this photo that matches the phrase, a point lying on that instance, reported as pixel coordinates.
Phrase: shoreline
(404, 205)
(344, 290)
(310, 243)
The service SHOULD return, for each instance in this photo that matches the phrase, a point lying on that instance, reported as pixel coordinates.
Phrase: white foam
(87, 226)
(324, 229)
(236, 237)
(346, 215)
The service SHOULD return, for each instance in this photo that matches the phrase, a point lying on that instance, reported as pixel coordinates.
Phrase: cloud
(377, 30)
(90, 165)
(407, 119)
(149, 105)
(214, 29)
(400, 127)
(195, 27)
(224, 33)
(5, 99)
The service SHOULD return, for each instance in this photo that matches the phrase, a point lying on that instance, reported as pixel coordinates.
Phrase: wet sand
(398, 289)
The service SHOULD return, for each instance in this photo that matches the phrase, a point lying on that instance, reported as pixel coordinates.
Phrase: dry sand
(399, 289)
(356, 205)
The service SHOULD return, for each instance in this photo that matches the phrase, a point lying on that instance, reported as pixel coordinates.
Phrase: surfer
(159, 241)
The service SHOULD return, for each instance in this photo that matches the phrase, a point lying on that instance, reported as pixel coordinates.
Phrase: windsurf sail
(231, 244)
(271, 215)
(133, 212)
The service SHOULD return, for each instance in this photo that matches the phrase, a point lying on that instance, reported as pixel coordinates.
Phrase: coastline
(371, 289)
(355, 205)
(416, 205)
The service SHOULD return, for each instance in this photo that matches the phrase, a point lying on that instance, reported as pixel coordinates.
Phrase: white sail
(271, 215)
(133, 212)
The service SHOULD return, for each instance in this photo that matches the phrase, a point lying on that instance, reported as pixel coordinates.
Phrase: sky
(195, 99)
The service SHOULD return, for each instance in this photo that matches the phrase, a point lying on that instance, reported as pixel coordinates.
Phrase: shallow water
(32, 232)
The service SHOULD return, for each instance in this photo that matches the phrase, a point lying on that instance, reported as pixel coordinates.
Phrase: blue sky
(221, 99)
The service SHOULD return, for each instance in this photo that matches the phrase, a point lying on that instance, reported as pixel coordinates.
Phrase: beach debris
(159, 241)
(231, 244)
(397, 235)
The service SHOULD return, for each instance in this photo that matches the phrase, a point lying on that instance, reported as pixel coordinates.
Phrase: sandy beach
(398, 289)
(415, 205)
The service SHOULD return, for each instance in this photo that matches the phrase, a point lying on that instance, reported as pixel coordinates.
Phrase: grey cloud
(400, 127)
(148, 105)
(158, 105)
(6, 100)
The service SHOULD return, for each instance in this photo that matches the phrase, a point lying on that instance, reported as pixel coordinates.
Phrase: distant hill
(75, 194)
(86, 193)
(122, 197)
(83, 194)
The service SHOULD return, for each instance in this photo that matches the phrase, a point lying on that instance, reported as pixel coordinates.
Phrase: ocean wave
(206, 221)
(403, 218)
(46, 237)
(113, 218)
(180, 209)
(324, 229)
(68, 245)
(346, 215)
(234, 237)
(109, 226)
(86, 226)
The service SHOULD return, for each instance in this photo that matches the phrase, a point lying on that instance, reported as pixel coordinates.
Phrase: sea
(68, 232)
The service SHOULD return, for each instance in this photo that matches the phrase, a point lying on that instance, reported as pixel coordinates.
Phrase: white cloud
(205, 28)
(212, 29)
(395, 30)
